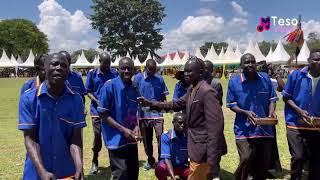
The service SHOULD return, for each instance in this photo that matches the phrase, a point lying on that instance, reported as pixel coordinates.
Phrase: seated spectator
(174, 153)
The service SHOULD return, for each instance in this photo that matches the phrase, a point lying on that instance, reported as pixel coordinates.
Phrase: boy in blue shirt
(117, 109)
(181, 87)
(151, 86)
(174, 151)
(302, 101)
(95, 80)
(52, 132)
(250, 95)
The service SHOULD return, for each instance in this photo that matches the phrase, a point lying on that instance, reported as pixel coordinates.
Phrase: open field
(12, 151)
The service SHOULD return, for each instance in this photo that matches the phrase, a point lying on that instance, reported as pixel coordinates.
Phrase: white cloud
(65, 31)
(208, 0)
(238, 9)
(205, 12)
(310, 26)
(195, 30)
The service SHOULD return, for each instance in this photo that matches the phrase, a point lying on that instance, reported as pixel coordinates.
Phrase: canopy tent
(116, 62)
(148, 57)
(30, 60)
(128, 55)
(212, 55)
(238, 52)
(269, 56)
(167, 61)
(177, 60)
(82, 61)
(185, 57)
(96, 62)
(5, 61)
(199, 54)
(137, 62)
(230, 57)
(304, 54)
(255, 51)
(19, 60)
(279, 55)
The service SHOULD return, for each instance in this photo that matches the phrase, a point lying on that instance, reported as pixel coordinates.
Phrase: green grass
(12, 150)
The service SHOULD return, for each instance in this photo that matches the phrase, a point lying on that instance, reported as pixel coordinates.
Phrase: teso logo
(264, 24)
(280, 24)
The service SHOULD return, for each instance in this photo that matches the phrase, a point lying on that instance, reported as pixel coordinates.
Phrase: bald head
(67, 56)
(105, 61)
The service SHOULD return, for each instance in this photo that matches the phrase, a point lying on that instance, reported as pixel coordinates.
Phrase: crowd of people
(126, 107)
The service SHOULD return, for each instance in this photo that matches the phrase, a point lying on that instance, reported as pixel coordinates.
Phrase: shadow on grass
(105, 173)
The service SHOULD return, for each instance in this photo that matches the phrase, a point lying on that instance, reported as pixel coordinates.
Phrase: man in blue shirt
(117, 109)
(152, 87)
(74, 79)
(35, 82)
(302, 102)
(250, 95)
(95, 80)
(51, 117)
(174, 151)
(181, 87)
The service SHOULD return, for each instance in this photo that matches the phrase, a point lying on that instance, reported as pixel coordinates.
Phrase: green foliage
(217, 46)
(128, 26)
(18, 36)
(90, 54)
(313, 41)
(265, 46)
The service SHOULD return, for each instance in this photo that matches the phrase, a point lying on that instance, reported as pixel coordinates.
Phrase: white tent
(5, 61)
(96, 62)
(198, 53)
(30, 60)
(238, 52)
(304, 54)
(19, 60)
(148, 57)
(255, 52)
(81, 61)
(269, 56)
(177, 60)
(280, 56)
(116, 62)
(230, 57)
(128, 55)
(259, 55)
(167, 61)
(185, 57)
(212, 55)
(137, 62)
(14, 61)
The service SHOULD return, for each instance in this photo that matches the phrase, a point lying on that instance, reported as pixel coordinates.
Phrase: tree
(128, 26)
(90, 54)
(313, 41)
(265, 47)
(18, 36)
(217, 46)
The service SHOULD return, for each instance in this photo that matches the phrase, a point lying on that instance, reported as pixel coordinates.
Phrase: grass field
(12, 150)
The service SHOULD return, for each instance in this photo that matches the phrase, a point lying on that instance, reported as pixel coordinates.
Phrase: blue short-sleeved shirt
(174, 148)
(152, 88)
(299, 89)
(254, 96)
(95, 81)
(120, 102)
(76, 83)
(179, 90)
(28, 85)
(54, 122)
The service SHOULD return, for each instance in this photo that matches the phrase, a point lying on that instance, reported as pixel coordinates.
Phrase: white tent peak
(304, 54)
(280, 55)
(221, 53)
(128, 55)
(212, 55)
(30, 60)
(269, 56)
(185, 57)
(167, 61)
(259, 54)
(82, 61)
(238, 52)
(198, 53)
(176, 59)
